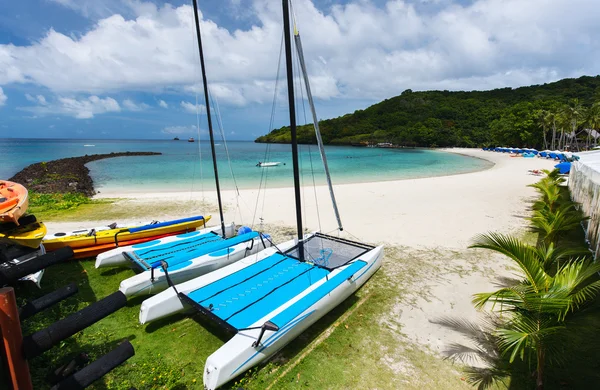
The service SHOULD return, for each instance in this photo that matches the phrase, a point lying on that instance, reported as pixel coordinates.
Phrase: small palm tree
(550, 224)
(553, 213)
(536, 308)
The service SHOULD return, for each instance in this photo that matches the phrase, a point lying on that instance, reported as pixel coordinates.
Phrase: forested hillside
(526, 117)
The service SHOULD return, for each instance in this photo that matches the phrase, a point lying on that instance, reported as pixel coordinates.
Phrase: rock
(66, 174)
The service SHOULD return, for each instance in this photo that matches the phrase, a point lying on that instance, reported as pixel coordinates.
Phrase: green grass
(363, 349)
(56, 205)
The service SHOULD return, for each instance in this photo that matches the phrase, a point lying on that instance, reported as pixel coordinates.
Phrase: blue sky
(129, 68)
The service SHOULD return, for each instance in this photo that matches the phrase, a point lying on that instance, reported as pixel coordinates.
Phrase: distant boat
(176, 139)
(268, 164)
(190, 139)
(89, 145)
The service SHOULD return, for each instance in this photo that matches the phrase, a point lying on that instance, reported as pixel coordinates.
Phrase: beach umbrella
(563, 167)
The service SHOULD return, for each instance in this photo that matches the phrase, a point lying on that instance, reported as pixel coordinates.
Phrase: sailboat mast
(290, 84)
(311, 103)
(210, 129)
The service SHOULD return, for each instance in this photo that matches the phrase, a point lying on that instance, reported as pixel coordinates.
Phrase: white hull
(142, 283)
(268, 164)
(116, 258)
(238, 354)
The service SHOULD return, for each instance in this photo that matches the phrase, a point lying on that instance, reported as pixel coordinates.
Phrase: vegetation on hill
(527, 117)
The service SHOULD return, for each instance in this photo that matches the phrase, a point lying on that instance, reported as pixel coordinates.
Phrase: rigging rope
(265, 171)
(217, 110)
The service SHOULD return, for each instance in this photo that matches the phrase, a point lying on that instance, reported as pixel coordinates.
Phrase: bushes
(55, 201)
(538, 312)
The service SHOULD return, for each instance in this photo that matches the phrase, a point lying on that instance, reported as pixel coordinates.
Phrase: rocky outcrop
(66, 174)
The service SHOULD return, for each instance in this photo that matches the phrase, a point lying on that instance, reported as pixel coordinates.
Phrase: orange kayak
(14, 200)
(95, 250)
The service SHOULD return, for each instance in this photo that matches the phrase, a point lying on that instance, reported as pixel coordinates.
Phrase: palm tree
(593, 121)
(573, 112)
(553, 213)
(538, 306)
(551, 117)
(544, 123)
(551, 224)
(563, 124)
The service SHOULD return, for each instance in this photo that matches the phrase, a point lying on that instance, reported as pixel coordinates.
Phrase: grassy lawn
(360, 344)
(354, 346)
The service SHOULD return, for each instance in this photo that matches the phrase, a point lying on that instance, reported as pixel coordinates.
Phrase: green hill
(503, 116)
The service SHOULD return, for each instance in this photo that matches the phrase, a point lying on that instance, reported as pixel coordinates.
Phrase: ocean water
(185, 166)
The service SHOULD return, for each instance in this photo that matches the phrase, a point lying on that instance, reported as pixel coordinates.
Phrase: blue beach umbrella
(563, 167)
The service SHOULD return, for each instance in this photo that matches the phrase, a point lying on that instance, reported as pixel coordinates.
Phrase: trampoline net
(328, 251)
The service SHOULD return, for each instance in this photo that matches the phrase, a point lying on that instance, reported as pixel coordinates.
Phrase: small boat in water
(268, 164)
(191, 139)
(14, 200)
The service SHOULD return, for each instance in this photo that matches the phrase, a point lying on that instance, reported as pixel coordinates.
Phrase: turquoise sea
(186, 166)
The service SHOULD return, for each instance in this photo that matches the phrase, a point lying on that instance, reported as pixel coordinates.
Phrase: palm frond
(524, 255)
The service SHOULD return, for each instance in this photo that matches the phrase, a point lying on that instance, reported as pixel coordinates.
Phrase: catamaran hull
(144, 284)
(238, 354)
(167, 302)
(116, 258)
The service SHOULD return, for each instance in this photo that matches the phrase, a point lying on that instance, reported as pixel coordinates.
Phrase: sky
(130, 68)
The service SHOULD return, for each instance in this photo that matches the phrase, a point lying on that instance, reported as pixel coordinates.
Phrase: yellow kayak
(109, 236)
(29, 235)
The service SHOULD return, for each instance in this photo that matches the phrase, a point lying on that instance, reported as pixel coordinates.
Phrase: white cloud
(3, 97)
(128, 104)
(356, 50)
(193, 108)
(83, 108)
(39, 99)
(163, 104)
(180, 130)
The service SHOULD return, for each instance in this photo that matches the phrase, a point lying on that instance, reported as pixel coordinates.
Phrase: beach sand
(444, 211)
(426, 223)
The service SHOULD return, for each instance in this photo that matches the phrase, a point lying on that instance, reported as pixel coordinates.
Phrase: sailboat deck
(180, 253)
(238, 300)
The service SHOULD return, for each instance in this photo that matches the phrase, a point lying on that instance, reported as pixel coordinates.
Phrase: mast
(210, 129)
(290, 84)
(316, 125)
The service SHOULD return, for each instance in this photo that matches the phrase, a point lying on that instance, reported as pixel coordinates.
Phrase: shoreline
(435, 211)
(66, 175)
(426, 224)
(127, 192)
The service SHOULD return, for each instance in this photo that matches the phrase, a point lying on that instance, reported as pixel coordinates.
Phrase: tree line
(553, 115)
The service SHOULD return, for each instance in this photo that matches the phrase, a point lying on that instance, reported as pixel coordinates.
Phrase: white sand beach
(442, 211)
(427, 223)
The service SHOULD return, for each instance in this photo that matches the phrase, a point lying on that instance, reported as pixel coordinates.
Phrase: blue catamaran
(268, 299)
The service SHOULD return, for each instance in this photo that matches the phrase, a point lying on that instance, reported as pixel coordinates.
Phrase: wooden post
(12, 337)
